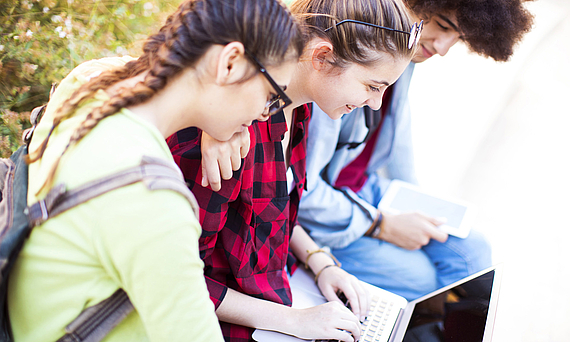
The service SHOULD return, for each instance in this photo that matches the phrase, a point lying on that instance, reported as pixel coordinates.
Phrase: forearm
(242, 309)
(330, 280)
(327, 321)
(301, 244)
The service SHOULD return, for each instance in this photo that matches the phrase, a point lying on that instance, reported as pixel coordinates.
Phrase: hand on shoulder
(220, 159)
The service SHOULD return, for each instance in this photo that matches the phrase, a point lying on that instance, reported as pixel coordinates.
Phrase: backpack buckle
(37, 213)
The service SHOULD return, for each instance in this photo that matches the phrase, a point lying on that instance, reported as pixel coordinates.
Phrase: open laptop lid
(463, 311)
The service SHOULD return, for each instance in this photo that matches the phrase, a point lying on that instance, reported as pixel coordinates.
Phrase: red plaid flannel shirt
(246, 226)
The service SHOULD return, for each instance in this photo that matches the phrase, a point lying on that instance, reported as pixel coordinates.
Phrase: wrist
(281, 318)
(318, 274)
(377, 226)
(319, 258)
(289, 320)
(287, 317)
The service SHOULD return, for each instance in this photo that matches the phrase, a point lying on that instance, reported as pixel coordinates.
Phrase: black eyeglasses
(414, 33)
(277, 102)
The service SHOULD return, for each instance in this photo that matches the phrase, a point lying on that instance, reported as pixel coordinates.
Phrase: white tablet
(402, 197)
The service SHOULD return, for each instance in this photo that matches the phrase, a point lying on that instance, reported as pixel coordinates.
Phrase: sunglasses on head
(414, 34)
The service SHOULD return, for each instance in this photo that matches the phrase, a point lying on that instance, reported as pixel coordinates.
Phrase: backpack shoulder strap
(155, 173)
(93, 324)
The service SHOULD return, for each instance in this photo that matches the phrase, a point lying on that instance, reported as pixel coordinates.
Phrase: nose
(376, 102)
(444, 42)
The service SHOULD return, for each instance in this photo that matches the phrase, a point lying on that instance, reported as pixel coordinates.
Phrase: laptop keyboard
(375, 324)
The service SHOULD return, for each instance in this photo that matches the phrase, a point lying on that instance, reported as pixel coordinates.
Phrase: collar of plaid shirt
(246, 226)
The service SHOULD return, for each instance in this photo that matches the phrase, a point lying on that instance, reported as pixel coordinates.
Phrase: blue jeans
(411, 274)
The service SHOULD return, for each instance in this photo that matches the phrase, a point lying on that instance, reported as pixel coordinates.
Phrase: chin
(334, 114)
(419, 59)
(222, 136)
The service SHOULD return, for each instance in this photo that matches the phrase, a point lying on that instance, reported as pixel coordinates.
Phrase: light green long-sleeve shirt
(143, 241)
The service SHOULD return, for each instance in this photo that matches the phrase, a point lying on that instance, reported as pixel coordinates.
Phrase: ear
(232, 65)
(322, 50)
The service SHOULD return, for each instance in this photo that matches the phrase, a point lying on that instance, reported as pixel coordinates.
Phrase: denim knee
(410, 274)
(480, 251)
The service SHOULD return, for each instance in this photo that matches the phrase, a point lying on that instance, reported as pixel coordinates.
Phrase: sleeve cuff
(217, 291)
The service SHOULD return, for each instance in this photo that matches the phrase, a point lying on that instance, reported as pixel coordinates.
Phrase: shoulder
(87, 70)
(185, 145)
(81, 75)
(75, 79)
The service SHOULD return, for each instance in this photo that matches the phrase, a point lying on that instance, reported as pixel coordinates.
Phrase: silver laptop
(463, 311)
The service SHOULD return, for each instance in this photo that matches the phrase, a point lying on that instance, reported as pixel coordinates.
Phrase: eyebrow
(381, 82)
(449, 22)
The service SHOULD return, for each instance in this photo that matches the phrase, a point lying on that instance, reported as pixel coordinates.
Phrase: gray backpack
(17, 219)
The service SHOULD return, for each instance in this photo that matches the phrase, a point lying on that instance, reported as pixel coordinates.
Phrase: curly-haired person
(405, 253)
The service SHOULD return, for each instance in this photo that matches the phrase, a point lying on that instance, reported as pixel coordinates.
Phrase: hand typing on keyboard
(346, 303)
(331, 280)
(375, 323)
(335, 280)
(331, 319)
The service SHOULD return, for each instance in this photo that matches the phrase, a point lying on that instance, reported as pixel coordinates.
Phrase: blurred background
(498, 135)
(41, 41)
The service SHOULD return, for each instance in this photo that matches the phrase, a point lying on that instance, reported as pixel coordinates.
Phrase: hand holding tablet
(402, 197)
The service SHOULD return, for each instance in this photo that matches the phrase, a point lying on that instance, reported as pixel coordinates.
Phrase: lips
(425, 52)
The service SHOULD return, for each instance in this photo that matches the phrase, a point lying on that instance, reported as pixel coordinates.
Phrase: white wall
(498, 135)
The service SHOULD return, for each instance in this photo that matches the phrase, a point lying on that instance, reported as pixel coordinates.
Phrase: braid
(264, 26)
(103, 81)
(78, 97)
(162, 69)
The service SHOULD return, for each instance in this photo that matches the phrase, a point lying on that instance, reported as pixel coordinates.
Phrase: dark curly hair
(490, 28)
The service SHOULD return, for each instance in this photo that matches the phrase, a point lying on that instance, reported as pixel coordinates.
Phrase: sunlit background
(498, 136)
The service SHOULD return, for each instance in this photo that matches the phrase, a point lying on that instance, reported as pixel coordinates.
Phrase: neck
(299, 89)
(166, 112)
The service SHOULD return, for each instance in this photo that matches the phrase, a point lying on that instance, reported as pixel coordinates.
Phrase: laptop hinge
(396, 325)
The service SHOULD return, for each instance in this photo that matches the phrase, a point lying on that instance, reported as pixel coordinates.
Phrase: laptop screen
(458, 314)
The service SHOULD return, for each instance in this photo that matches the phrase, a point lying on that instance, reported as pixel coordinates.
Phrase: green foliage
(41, 41)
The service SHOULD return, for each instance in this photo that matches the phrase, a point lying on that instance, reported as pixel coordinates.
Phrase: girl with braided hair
(355, 49)
(103, 118)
